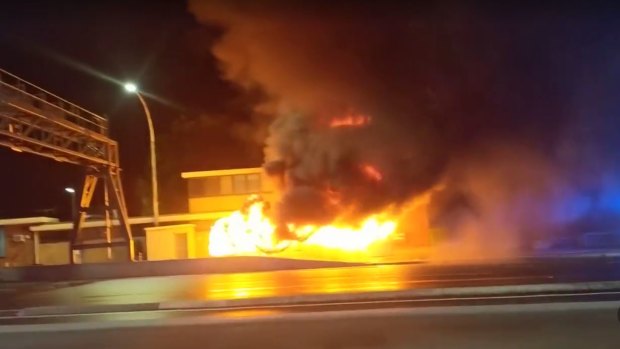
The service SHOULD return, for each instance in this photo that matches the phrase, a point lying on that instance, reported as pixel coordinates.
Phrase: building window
(247, 184)
(201, 187)
(225, 185)
(211, 186)
(253, 184)
(239, 184)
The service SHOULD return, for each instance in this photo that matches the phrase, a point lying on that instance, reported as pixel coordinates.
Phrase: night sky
(54, 44)
(508, 112)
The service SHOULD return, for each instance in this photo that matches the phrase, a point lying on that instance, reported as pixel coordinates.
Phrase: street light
(71, 192)
(133, 88)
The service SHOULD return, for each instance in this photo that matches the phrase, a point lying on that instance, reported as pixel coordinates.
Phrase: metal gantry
(36, 121)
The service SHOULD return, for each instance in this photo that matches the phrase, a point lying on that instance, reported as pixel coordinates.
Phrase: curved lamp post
(133, 88)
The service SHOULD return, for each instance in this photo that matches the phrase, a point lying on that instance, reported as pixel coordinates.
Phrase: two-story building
(221, 192)
(225, 191)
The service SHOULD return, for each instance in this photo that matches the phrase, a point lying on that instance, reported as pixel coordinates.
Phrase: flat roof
(227, 172)
(27, 220)
(170, 218)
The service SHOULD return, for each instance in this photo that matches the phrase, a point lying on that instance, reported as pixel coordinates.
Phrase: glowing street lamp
(133, 88)
(70, 190)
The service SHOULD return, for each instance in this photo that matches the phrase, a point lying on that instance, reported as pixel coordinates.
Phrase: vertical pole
(154, 186)
(73, 206)
(37, 243)
(108, 222)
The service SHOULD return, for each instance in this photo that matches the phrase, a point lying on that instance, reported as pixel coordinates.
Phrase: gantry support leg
(113, 180)
(86, 196)
(108, 219)
(112, 183)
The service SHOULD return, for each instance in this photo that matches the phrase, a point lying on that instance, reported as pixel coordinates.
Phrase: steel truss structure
(33, 120)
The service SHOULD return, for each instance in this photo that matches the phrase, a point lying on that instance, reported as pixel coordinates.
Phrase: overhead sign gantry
(33, 120)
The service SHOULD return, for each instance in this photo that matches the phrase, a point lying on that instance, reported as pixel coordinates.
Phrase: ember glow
(350, 120)
(372, 173)
(251, 231)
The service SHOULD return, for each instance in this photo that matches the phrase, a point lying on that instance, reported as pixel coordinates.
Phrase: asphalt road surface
(303, 282)
(520, 321)
(592, 324)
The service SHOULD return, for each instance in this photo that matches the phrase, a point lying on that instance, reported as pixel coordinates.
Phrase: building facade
(19, 245)
(225, 191)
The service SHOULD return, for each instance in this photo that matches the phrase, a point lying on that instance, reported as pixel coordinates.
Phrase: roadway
(376, 278)
(542, 320)
(551, 325)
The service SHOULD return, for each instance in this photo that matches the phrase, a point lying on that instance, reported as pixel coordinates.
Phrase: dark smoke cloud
(446, 86)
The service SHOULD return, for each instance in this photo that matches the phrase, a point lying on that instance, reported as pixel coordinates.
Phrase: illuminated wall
(222, 192)
(225, 190)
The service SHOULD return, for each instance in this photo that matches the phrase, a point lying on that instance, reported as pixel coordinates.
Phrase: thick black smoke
(502, 106)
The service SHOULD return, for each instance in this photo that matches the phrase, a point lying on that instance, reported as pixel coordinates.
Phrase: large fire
(251, 231)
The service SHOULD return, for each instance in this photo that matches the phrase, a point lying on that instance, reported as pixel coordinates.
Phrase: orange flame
(252, 232)
(350, 120)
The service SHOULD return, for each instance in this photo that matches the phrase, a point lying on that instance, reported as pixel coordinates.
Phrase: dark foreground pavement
(291, 283)
(555, 325)
(569, 303)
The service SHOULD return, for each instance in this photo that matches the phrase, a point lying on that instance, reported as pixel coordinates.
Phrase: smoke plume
(509, 110)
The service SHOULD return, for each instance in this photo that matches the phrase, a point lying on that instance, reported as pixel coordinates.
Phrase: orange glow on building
(239, 201)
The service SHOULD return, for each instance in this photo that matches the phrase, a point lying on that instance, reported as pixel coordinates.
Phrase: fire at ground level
(391, 235)
(253, 231)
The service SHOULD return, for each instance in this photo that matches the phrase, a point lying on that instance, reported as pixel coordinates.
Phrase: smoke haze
(512, 113)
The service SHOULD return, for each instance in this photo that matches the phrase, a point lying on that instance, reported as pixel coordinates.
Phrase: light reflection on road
(227, 286)
(287, 283)
(248, 313)
(270, 284)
